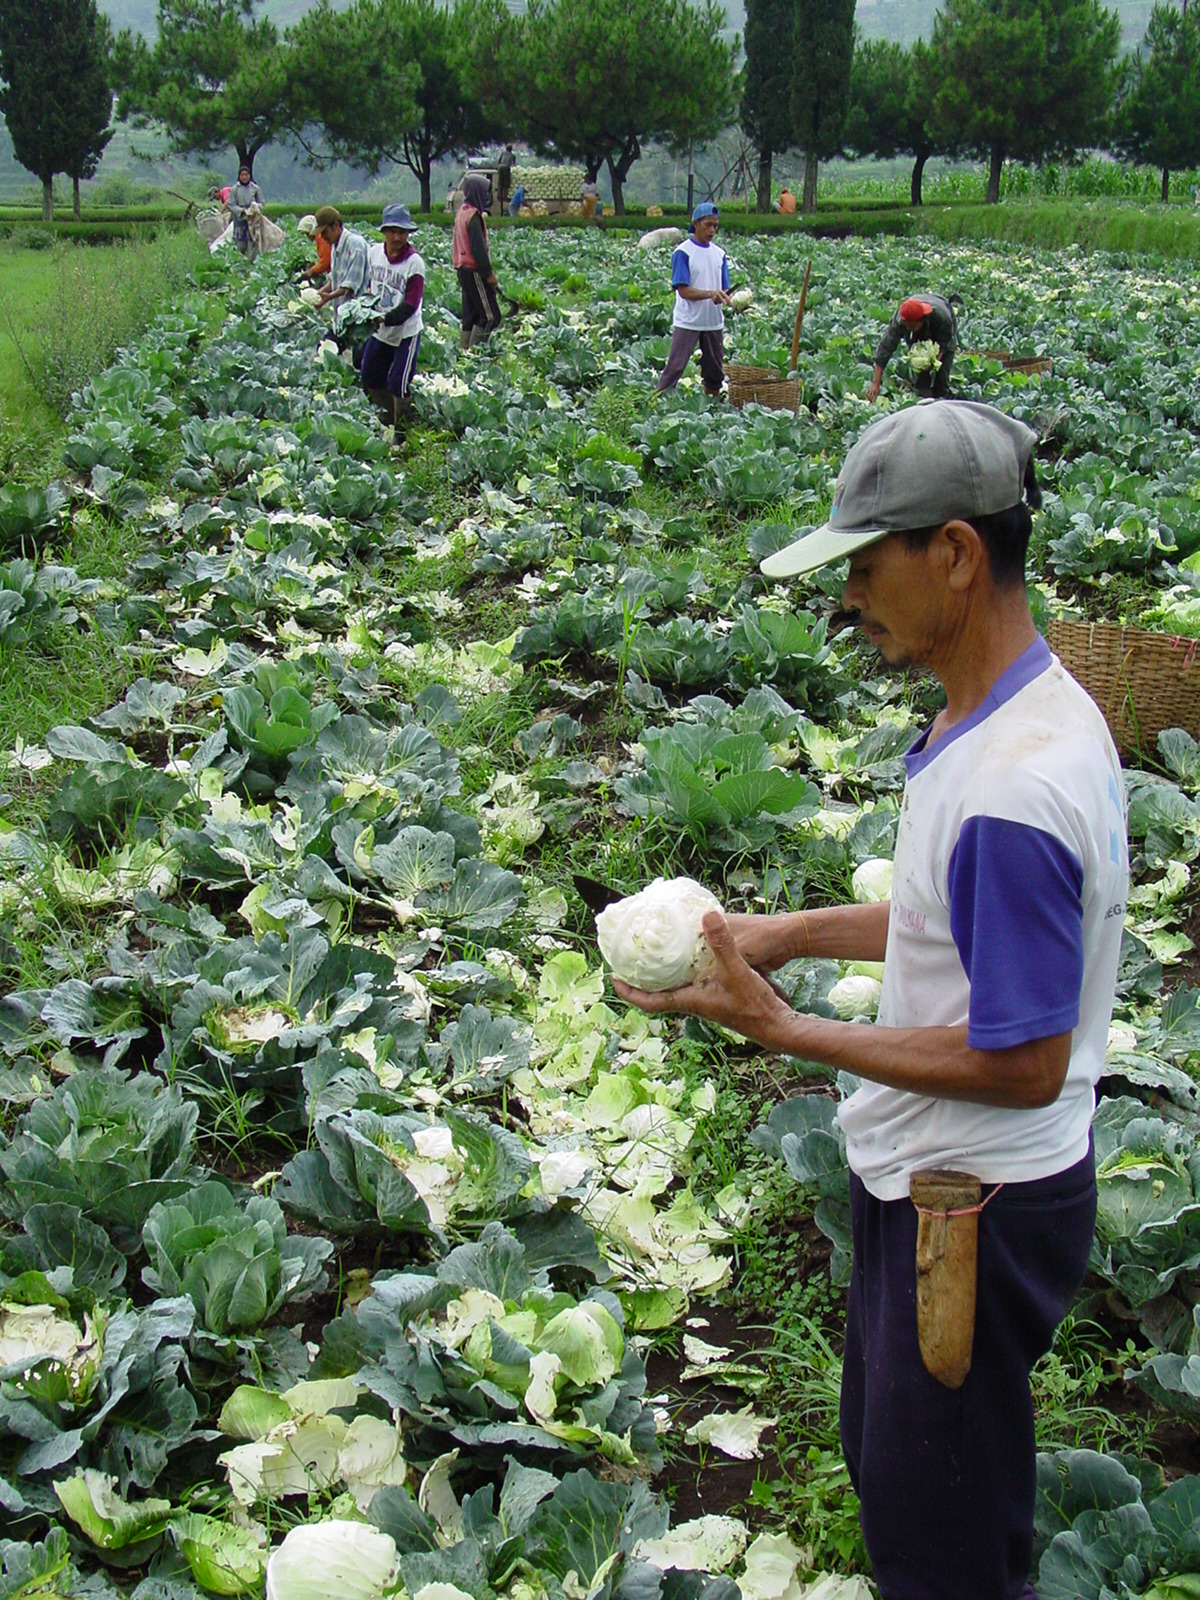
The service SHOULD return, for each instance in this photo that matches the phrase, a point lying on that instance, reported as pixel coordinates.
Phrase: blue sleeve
(1016, 916)
(681, 270)
(725, 272)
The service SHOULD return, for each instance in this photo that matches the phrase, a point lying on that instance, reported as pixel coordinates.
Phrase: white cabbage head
(872, 881)
(855, 996)
(317, 1559)
(654, 939)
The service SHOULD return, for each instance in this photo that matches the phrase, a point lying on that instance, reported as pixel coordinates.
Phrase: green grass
(64, 312)
(1117, 225)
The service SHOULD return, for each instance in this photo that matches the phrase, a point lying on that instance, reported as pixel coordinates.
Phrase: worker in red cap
(921, 320)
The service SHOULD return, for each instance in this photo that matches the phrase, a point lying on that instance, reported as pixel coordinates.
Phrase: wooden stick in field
(800, 316)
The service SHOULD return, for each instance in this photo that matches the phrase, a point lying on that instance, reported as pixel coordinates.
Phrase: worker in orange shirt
(320, 267)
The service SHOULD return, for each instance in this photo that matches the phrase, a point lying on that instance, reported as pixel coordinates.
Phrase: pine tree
(1158, 115)
(889, 105)
(767, 114)
(93, 104)
(822, 53)
(216, 78)
(54, 95)
(1023, 78)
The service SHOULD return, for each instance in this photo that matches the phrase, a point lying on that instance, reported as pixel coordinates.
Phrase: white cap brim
(823, 547)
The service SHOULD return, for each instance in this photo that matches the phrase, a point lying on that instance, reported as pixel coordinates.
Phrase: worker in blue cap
(700, 278)
(389, 359)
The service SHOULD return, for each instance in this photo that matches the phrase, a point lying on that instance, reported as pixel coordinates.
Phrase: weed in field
(813, 1494)
(1068, 1383)
(92, 302)
(64, 676)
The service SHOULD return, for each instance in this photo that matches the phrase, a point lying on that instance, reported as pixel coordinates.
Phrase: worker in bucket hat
(972, 1197)
(389, 359)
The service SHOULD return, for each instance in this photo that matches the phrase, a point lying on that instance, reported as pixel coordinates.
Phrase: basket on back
(1142, 681)
(762, 386)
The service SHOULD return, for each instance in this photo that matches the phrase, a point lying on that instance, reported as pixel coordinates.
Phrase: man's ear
(962, 553)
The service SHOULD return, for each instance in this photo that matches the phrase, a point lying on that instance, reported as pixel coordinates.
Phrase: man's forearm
(835, 933)
(932, 1061)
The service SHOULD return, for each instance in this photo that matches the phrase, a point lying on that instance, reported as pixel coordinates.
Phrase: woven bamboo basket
(762, 386)
(1143, 682)
(1011, 363)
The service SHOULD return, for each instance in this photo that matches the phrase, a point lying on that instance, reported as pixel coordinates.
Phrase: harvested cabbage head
(310, 296)
(741, 299)
(925, 356)
(654, 939)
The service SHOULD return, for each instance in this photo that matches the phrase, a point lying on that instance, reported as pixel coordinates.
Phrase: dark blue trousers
(946, 1477)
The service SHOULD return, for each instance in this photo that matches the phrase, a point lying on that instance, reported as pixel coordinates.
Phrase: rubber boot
(403, 415)
(464, 339)
(381, 399)
(480, 335)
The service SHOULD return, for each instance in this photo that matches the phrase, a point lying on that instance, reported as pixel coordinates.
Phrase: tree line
(593, 81)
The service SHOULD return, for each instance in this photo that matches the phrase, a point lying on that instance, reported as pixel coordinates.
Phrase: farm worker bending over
(349, 267)
(517, 201)
(390, 357)
(787, 202)
(473, 264)
(1000, 946)
(700, 277)
(244, 194)
(590, 195)
(919, 320)
(308, 226)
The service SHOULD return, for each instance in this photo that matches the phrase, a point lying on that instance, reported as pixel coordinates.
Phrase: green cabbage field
(342, 1210)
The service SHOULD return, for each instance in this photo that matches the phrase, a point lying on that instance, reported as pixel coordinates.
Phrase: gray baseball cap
(917, 468)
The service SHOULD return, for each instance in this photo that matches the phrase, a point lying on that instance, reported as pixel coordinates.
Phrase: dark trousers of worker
(388, 366)
(946, 1477)
(480, 307)
(935, 385)
(712, 358)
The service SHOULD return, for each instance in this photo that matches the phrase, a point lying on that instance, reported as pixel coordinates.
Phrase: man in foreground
(389, 358)
(700, 278)
(1000, 942)
(920, 320)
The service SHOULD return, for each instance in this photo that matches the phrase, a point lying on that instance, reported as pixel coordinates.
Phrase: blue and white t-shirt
(390, 280)
(1007, 909)
(699, 266)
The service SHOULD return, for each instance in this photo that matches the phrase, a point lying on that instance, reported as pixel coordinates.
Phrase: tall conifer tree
(54, 87)
(822, 52)
(767, 115)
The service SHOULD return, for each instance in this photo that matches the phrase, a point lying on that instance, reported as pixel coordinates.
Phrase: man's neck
(992, 636)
